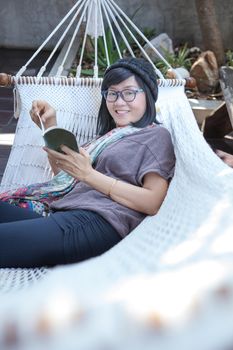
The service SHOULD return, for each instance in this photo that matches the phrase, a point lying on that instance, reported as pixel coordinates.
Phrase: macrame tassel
(17, 103)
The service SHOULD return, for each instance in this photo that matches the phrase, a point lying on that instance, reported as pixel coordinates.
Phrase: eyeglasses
(127, 95)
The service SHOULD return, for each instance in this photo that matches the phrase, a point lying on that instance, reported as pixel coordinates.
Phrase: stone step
(5, 115)
(30, 72)
(6, 104)
(4, 154)
(11, 60)
(6, 92)
(7, 123)
(9, 129)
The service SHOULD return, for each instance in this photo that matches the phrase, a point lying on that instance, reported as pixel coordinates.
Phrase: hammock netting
(168, 284)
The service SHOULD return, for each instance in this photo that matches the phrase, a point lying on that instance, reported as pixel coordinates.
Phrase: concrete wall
(26, 23)
(179, 20)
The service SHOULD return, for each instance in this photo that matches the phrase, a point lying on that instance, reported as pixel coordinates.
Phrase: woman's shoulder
(155, 129)
(156, 139)
(152, 133)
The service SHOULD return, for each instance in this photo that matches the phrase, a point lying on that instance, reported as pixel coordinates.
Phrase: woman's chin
(122, 123)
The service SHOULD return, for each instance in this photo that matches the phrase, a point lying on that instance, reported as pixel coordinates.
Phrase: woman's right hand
(46, 112)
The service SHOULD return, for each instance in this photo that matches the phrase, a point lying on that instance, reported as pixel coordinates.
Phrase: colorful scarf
(37, 197)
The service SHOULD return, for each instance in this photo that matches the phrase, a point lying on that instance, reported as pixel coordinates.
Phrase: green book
(55, 137)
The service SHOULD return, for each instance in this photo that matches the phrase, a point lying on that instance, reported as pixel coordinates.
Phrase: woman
(128, 180)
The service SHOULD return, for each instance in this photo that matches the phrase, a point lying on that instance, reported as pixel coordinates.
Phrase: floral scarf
(37, 197)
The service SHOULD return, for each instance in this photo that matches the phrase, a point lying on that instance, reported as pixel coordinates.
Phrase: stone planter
(226, 82)
(204, 108)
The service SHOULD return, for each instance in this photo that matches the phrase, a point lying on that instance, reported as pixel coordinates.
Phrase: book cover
(55, 137)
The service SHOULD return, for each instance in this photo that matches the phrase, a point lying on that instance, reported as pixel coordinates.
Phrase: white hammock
(162, 286)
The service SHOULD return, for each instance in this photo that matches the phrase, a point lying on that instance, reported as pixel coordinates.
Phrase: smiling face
(125, 113)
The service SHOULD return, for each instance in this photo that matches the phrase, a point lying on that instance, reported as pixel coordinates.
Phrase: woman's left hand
(75, 164)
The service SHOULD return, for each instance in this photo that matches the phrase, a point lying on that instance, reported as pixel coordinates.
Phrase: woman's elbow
(152, 211)
(153, 208)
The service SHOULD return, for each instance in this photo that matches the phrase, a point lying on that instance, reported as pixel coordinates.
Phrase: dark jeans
(29, 240)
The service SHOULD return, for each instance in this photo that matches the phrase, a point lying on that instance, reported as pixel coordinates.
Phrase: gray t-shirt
(128, 159)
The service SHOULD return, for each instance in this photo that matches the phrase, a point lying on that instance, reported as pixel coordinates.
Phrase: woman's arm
(226, 157)
(146, 199)
(48, 116)
(46, 112)
(54, 167)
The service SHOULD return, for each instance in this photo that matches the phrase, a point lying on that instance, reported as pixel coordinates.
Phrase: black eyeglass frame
(120, 93)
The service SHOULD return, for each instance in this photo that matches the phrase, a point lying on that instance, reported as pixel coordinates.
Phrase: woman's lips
(121, 112)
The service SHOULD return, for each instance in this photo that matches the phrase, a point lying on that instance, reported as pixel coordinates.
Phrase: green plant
(112, 52)
(229, 58)
(112, 49)
(149, 34)
(178, 59)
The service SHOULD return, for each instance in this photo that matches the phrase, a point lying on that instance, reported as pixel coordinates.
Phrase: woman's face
(124, 112)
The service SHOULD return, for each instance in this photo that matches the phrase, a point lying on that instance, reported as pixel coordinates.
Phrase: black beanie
(142, 68)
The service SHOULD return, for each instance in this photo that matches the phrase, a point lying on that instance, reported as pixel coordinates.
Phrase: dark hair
(119, 72)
